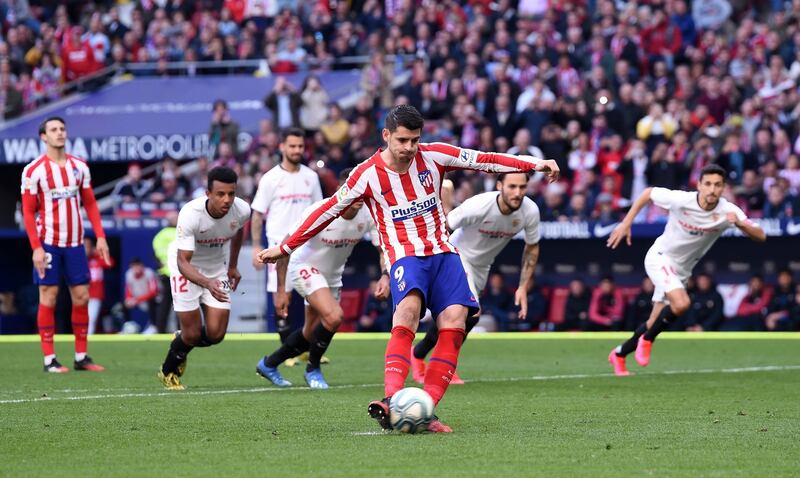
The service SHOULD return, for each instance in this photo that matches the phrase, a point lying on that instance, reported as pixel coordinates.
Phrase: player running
(283, 193)
(483, 225)
(315, 272)
(54, 187)
(203, 270)
(696, 220)
(401, 185)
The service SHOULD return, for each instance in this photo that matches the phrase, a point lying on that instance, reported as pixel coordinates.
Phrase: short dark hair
(286, 132)
(136, 260)
(223, 175)
(344, 174)
(220, 102)
(713, 169)
(502, 176)
(43, 124)
(406, 116)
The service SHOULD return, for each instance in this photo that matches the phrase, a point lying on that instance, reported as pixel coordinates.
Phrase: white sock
(79, 357)
(48, 359)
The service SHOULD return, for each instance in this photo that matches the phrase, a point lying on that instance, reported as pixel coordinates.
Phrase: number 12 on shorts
(179, 284)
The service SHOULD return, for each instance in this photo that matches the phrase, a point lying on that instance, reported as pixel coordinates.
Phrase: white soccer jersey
(691, 230)
(58, 194)
(328, 251)
(406, 207)
(283, 196)
(481, 231)
(207, 237)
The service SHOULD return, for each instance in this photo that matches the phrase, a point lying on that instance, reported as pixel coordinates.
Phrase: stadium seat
(352, 302)
(558, 300)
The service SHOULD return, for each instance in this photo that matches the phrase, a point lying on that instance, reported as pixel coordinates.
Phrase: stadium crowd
(624, 95)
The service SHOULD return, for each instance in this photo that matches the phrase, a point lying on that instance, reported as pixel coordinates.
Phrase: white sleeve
(532, 217)
(453, 157)
(184, 232)
(29, 184)
(730, 207)
(468, 213)
(666, 198)
(263, 196)
(244, 211)
(316, 189)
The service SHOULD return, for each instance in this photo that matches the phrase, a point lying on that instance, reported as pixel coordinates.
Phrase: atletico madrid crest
(426, 179)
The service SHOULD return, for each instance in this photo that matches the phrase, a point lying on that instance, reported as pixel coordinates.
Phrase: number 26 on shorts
(306, 273)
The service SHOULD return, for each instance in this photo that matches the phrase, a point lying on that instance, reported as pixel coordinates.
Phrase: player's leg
(80, 328)
(216, 325)
(186, 303)
(46, 323)
(618, 354)
(190, 323)
(76, 273)
(282, 322)
(323, 318)
(678, 303)
(451, 302)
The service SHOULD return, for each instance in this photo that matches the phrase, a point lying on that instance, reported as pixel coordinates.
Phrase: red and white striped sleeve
(354, 189)
(452, 157)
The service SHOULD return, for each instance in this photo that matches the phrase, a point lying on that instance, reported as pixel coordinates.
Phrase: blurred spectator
(778, 206)
(132, 188)
(169, 190)
(284, 103)
(752, 309)
(336, 129)
(607, 307)
(314, 111)
(779, 311)
(750, 195)
(223, 129)
(498, 302)
(77, 56)
(576, 310)
(705, 311)
(161, 243)
(376, 81)
(97, 286)
(10, 98)
(638, 311)
(141, 289)
(377, 316)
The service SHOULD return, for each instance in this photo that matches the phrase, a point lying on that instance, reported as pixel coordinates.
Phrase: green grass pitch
(534, 405)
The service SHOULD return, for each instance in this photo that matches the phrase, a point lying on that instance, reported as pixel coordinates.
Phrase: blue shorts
(440, 278)
(69, 261)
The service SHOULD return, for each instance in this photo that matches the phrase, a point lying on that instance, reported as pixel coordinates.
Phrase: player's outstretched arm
(749, 228)
(462, 158)
(623, 231)
(530, 257)
(188, 270)
(233, 264)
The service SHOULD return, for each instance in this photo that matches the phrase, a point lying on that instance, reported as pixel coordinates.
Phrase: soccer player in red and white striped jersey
(401, 187)
(54, 187)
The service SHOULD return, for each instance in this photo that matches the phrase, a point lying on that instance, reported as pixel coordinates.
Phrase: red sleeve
(748, 308)
(594, 312)
(90, 204)
(29, 204)
(128, 294)
(152, 291)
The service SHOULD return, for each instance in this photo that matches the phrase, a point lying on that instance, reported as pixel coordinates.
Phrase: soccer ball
(411, 410)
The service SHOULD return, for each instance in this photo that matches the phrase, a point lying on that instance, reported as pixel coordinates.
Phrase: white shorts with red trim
(666, 276)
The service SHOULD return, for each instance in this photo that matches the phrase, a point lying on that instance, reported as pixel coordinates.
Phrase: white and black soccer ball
(411, 410)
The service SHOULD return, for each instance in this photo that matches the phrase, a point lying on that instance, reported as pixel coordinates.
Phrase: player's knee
(406, 317)
(333, 319)
(190, 336)
(47, 296)
(680, 305)
(216, 337)
(80, 298)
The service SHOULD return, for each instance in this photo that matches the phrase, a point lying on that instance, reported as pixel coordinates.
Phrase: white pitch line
(534, 378)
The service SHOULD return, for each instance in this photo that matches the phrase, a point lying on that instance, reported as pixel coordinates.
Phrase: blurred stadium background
(623, 95)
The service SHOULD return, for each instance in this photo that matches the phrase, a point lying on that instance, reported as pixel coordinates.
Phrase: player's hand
(130, 303)
(281, 302)
(256, 261)
(382, 289)
(622, 231)
(234, 277)
(218, 290)
(40, 261)
(733, 218)
(521, 301)
(102, 249)
(550, 169)
(271, 255)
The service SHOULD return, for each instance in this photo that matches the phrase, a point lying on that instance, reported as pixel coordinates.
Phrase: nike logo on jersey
(792, 228)
(203, 232)
(602, 231)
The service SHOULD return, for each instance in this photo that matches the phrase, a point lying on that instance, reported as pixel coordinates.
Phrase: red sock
(398, 359)
(46, 321)
(80, 327)
(442, 364)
